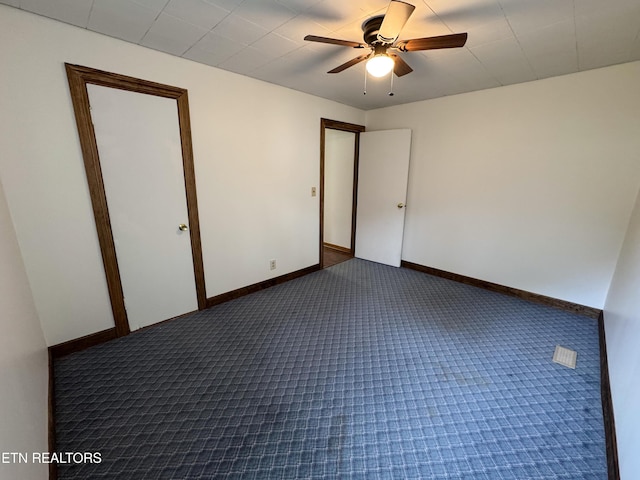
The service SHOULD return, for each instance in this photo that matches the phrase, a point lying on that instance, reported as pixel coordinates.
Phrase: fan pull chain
(391, 91)
(365, 81)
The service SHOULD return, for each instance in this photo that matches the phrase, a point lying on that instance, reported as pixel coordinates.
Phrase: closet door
(139, 147)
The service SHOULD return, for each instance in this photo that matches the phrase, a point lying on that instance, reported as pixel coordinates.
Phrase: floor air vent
(565, 356)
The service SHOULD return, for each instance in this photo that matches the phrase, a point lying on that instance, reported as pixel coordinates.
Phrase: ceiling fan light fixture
(380, 65)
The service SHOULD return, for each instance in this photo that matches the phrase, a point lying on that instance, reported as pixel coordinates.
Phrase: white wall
(339, 152)
(622, 325)
(256, 151)
(23, 360)
(529, 185)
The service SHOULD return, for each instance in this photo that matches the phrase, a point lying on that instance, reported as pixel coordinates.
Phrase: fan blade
(350, 63)
(401, 67)
(334, 41)
(394, 20)
(433, 43)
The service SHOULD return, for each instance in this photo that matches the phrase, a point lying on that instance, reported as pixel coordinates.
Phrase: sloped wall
(23, 362)
(622, 327)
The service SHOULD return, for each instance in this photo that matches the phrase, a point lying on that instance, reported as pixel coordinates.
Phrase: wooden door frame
(78, 77)
(326, 123)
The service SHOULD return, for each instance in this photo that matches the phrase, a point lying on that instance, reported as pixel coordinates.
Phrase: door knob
(401, 205)
(182, 227)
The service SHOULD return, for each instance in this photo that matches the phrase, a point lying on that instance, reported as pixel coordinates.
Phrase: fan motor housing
(371, 27)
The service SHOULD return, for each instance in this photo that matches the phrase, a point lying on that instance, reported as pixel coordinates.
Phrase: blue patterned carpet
(359, 371)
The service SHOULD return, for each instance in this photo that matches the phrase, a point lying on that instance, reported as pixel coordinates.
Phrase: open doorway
(339, 151)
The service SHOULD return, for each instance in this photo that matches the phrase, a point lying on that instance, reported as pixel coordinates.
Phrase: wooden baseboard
(162, 322)
(607, 406)
(87, 341)
(57, 351)
(72, 346)
(82, 343)
(51, 421)
(256, 287)
(605, 388)
(514, 292)
(337, 247)
(90, 340)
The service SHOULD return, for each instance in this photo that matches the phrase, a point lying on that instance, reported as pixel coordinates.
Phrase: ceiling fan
(381, 40)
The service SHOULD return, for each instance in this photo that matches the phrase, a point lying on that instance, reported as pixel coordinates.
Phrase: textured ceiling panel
(509, 41)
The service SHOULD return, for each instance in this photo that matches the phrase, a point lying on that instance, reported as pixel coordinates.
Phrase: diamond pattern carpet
(359, 371)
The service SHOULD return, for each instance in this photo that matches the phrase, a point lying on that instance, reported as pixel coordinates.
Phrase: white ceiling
(510, 41)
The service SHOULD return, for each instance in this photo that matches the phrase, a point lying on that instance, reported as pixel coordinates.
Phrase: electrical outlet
(313, 191)
(272, 264)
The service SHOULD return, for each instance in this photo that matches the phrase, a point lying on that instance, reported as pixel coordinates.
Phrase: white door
(382, 195)
(138, 140)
